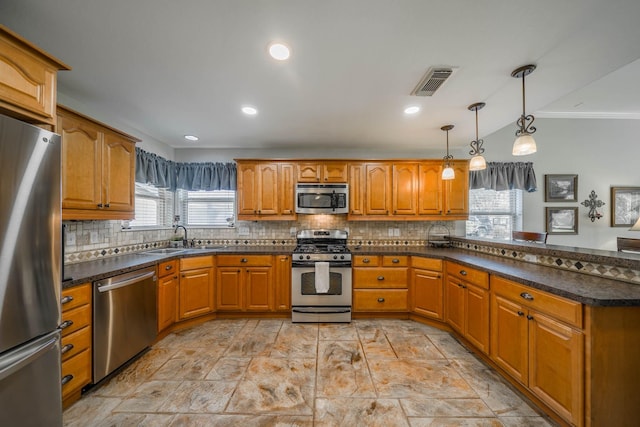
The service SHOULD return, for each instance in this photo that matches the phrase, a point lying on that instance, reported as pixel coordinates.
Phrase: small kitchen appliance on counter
(438, 236)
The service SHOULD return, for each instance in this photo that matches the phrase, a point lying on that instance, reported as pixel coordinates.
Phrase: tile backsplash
(89, 240)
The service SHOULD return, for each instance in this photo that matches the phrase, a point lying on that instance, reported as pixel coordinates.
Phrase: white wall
(602, 152)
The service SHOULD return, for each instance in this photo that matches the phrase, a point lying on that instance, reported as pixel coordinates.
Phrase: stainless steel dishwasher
(124, 319)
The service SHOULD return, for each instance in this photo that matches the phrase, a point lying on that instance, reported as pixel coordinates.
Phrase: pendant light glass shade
(448, 172)
(524, 143)
(477, 162)
(636, 226)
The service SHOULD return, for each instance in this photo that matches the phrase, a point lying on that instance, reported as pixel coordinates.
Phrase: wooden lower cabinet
(539, 351)
(76, 341)
(282, 283)
(196, 287)
(380, 283)
(427, 293)
(244, 283)
(168, 286)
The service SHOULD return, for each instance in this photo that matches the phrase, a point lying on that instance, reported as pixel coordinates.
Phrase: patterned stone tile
(338, 332)
(229, 369)
(148, 397)
(93, 408)
(414, 347)
(455, 422)
(342, 370)
(199, 396)
(470, 407)
(187, 368)
(359, 412)
(212, 420)
(138, 420)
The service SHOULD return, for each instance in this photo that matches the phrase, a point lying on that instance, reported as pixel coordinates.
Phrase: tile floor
(275, 373)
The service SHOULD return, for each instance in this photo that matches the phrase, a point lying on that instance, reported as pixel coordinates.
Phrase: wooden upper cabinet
(324, 171)
(357, 189)
(405, 189)
(98, 169)
(378, 189)
(28, 77)
(456, 192)
(430, 192)
(265, 190)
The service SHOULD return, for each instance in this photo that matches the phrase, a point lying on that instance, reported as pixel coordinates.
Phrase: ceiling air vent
(432, 81)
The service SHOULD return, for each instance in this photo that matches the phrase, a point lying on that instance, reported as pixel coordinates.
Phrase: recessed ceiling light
(249, 111)
(191, 137)
(279, 51)
(412, 109)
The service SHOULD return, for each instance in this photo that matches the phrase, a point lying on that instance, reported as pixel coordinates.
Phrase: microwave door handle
(334, 201)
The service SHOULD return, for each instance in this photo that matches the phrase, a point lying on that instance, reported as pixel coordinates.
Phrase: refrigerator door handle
(21, 359)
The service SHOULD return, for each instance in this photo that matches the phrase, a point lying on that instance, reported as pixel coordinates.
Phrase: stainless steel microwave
(322, 198)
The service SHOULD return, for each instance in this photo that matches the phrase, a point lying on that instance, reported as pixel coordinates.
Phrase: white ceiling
(168, 68)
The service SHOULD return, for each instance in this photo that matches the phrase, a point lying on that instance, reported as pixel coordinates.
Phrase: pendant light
(447, 172)
(524, 143)
(477, 162)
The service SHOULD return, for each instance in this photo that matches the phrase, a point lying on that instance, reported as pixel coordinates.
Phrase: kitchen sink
(165, 251)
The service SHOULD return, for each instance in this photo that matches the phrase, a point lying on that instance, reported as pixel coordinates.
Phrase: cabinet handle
(168, 267)
(395, 260)
(387, 212)
(365, 261)
(107, 205)
(66, 379)
(520, 313)
(527, 296)
(259, 211)
(283, 259)
(175, 277)
(100, 205)
(380, 299)
(66, 299)
(395, 212)
(66, 324)
(243, 260)
(66, 348)
(463, 273)
(380, 277)
(460, 285)
(529, 317)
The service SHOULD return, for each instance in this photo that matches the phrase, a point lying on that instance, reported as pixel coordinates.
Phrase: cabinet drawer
(426, 263)
(75, 297)
(379, 278)
(366, 261)
(78, 317)
(380, 300)
(470, 275)
(196, 262)
(78, 369)
(395, 261)
(168, 267)
(558, 307)
(244, 260)
(77, 341)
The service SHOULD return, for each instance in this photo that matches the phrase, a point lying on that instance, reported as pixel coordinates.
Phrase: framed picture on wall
(561, 188)
(562, 220)
(625, 206)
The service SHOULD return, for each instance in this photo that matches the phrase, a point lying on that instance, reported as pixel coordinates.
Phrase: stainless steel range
(321, 277)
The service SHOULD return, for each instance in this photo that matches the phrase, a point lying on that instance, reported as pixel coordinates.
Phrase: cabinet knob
(463, 273)
(66, 299)
(520, 313)
(66, 324)
(107, 205)
(527, 296)
(395, 260)
(175, 277)
(395, 212)
(366, 261)
(380, 277)
(380, 299)
(168, 267)
(243, 260)
(100, 205)
(529, 317)
(66, 379)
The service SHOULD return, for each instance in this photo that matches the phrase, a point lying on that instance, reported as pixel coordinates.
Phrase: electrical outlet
(243, 231)
(396, 232)
(93, 237)
(292, 232)
(390, 232)
(71, 239)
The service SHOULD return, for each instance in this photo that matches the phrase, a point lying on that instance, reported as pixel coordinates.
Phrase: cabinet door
(118, 159)
(477, 317)
(556, 365)
(282, 283)
(167, 301)
(405, 189)
(268, 189)
(427, 293)
(509, 337)
(81, 163)
(356, 189)
(259, 292)
(308, 172)
(457, 191)
(247, 189)
(286, 189)
(196, 292)
(334, 172)
(229, 289)
(454, 305)
(378, 189)
(430, 189)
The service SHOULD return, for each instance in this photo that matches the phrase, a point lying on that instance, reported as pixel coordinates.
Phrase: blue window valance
(505, 176)
(160, 172)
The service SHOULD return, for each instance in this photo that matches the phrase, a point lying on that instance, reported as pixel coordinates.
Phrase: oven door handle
(319, 310)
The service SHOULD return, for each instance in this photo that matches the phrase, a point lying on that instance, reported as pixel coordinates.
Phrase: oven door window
(308, 284)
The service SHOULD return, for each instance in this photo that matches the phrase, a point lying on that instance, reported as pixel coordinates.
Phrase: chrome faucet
(185, 241)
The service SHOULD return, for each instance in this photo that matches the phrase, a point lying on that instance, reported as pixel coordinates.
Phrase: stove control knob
(301, 256)
(335, 257)
(341, 256)
(308, 257)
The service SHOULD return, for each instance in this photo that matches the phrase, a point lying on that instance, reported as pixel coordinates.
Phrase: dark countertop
(579, 287)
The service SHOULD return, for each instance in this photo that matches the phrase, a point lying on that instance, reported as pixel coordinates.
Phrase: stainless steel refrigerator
(30, 275)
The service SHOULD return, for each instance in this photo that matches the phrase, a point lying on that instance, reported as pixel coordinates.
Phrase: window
(207, 208)
(494, 214)
(154, 207)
